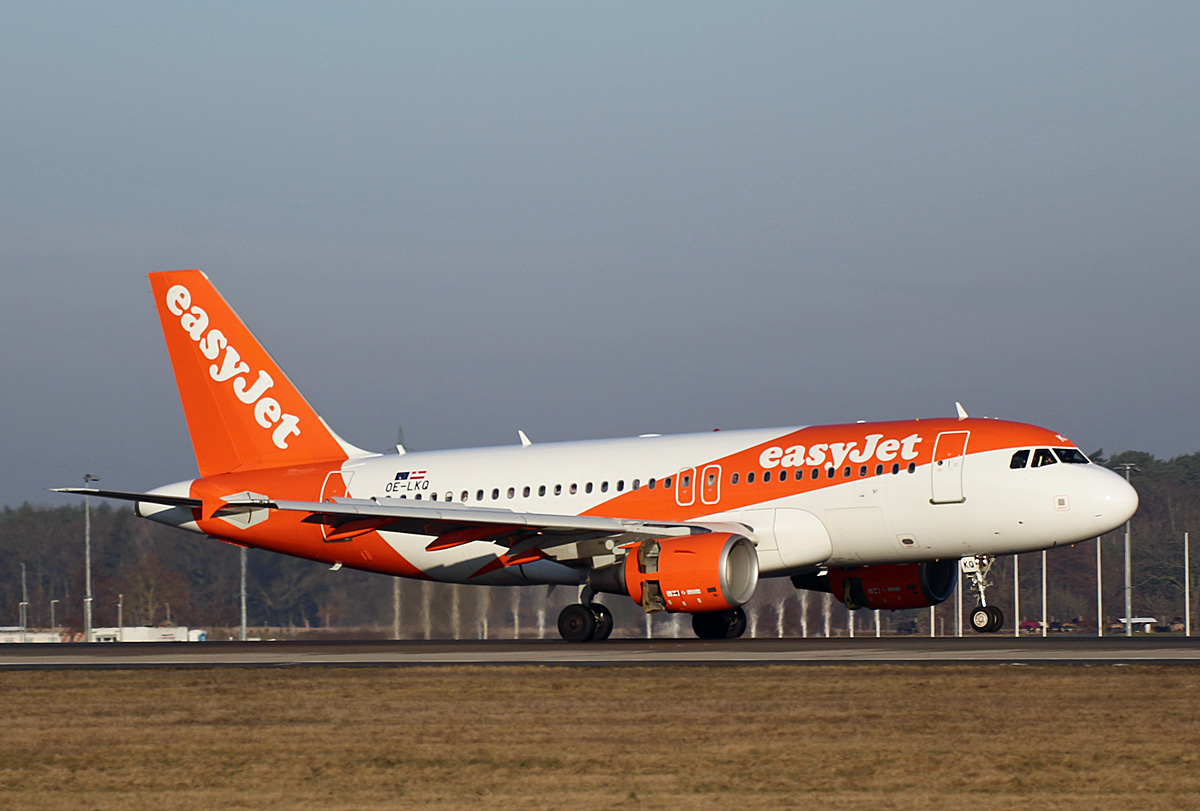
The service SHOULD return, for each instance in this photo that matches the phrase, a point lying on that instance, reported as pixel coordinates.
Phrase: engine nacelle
(692, 574)
(892, 586)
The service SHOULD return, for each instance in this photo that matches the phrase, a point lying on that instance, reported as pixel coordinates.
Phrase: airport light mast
(1127, 467)
(88, 478)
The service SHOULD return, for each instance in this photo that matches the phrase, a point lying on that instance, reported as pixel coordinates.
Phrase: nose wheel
(987, 619)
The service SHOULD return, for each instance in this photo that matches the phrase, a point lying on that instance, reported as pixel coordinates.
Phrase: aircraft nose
(1115, 501)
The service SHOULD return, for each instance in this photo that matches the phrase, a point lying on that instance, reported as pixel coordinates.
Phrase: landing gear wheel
(987, 619)
(981, 619)
(737, 624)
(577, 623)
(997, 619)
(712, 625)
(720, 624)
(604, 622)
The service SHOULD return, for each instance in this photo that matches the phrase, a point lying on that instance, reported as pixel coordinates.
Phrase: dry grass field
(593, 738)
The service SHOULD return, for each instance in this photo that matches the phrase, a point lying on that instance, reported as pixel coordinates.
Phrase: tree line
(160, 574)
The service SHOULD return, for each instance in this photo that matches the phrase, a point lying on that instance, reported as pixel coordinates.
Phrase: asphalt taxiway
(976, 650)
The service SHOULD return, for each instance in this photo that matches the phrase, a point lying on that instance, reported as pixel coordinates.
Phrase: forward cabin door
(947, 469)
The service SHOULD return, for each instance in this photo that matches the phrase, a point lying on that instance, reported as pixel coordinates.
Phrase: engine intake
(715, 571)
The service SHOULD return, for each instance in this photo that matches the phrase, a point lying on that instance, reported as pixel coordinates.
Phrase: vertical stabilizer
(242, 411)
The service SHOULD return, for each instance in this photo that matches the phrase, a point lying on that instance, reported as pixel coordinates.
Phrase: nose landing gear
(985, 619)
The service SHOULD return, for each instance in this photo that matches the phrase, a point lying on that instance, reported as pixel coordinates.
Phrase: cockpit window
(1043, 457)
(1019, 460)
(1072, 456)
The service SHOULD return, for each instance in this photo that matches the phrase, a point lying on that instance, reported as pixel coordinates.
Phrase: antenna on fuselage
(962, 412)
(400, 449)
(525, 442)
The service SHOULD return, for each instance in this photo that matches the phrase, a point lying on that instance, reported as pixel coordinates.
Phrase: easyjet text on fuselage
(834, 454)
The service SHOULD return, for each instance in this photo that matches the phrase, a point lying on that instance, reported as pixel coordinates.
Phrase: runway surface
(1058, 650)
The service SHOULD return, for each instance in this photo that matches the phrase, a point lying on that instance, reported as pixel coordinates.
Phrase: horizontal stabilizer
(122, 495)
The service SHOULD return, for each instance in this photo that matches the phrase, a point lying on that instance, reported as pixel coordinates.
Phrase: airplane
(879, 514)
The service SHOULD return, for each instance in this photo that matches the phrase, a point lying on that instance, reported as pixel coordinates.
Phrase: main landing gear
(985, 619)
(720, 624)
(585, 621)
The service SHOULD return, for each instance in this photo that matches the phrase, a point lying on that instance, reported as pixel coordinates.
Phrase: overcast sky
(600, 220)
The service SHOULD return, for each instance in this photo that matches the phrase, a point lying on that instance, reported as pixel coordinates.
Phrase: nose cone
(1114, 500)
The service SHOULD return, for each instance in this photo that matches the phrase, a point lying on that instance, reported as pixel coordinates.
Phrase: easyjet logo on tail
(838, 452)
(232, 369)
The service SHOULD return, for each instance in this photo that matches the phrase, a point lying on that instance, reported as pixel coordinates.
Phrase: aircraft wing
(566, 538)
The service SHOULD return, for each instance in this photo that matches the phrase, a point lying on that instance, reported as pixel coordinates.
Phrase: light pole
(1099, 593)
(242, 630)
(1016, 597)
(88, 478)
(1187, 588)
(120, 617)
(1045, 619)
(24, 604)
(1127, 467)
(53, 624)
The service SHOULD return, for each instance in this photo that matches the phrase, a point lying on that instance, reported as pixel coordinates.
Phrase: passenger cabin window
(667, 483)
(1019, 459)
(541, 490)
(620, 485)
(750, 477)
(465, 495)
(525, 491)
(588, 489)
(558, 489)
(495, 493)
(766, 476)
(733, 478)
(1072, 456)
(479, 495)
(1043, 457)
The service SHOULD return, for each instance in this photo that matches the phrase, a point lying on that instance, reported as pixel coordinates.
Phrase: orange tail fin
(242, 411)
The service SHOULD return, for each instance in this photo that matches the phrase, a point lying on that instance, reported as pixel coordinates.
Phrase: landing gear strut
(985, 619)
